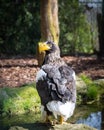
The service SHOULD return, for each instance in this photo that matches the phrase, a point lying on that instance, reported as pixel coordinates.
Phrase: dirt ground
(17, 71)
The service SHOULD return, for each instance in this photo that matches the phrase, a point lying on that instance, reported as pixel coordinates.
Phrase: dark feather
(58, 84)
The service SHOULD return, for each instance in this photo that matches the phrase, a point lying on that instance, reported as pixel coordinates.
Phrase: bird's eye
(49, 44)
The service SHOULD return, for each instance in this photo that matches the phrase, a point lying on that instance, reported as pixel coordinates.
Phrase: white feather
(74, 75)
(40, 75)
(63, 109)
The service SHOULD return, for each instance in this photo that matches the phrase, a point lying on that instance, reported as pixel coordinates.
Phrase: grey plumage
(60, 82)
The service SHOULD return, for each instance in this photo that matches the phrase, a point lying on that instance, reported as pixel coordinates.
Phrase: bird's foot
(61, 121)
(50, 120)
(65, 123)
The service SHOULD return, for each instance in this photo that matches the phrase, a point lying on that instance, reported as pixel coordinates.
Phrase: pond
(92, 115)
(93, 120)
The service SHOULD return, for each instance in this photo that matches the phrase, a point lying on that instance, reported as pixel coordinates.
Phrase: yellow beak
(43, 47)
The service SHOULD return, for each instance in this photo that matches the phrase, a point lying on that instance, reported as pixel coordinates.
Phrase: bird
(56, 85)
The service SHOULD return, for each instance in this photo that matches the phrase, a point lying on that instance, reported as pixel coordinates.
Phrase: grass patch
(21, 100)
(92, 88)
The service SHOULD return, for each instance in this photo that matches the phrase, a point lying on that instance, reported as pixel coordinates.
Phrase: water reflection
(93, 120)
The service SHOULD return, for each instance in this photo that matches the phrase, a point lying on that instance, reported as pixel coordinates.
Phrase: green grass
(92, 88)
(19, 100)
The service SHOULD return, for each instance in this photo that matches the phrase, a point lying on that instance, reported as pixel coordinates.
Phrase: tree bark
(49, 20)
(100, 18)
(49, 24)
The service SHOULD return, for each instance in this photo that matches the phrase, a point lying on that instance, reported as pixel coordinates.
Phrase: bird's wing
(60, 82)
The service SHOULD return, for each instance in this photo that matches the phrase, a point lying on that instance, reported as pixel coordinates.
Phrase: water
(93, 120)
(92, 115)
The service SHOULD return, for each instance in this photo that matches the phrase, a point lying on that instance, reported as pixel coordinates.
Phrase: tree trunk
(49, 20)
(101, 32)
(49, 24)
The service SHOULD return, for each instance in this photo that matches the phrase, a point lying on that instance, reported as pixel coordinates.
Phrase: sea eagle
(55, 83)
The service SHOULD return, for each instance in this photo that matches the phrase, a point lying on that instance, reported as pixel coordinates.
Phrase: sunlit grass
(19, 100)
(92, 88)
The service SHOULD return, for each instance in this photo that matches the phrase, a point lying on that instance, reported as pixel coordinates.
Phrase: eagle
(55, 83)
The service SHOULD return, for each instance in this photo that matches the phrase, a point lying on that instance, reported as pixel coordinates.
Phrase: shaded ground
(42, 126)
(17, 71)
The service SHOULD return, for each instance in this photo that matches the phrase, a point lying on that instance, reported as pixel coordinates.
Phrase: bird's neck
(51, 57)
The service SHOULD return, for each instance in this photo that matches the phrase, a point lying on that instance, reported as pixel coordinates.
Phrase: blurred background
(80, 23)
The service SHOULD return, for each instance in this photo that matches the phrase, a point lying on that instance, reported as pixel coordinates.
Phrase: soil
(17, 71)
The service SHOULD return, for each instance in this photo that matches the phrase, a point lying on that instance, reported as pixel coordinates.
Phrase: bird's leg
(61, 120)
(49, 119)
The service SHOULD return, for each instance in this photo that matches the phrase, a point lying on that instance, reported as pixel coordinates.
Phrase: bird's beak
(43, 47)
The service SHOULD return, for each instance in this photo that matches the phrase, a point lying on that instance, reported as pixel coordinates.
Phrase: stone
(81, 86)
(43, 126)
(99, 82)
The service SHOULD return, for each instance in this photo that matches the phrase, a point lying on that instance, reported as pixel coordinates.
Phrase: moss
(86, 79)
(19, 100)
(93, 90)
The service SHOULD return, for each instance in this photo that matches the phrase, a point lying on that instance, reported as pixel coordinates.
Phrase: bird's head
(52, 51)
(47, 46)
